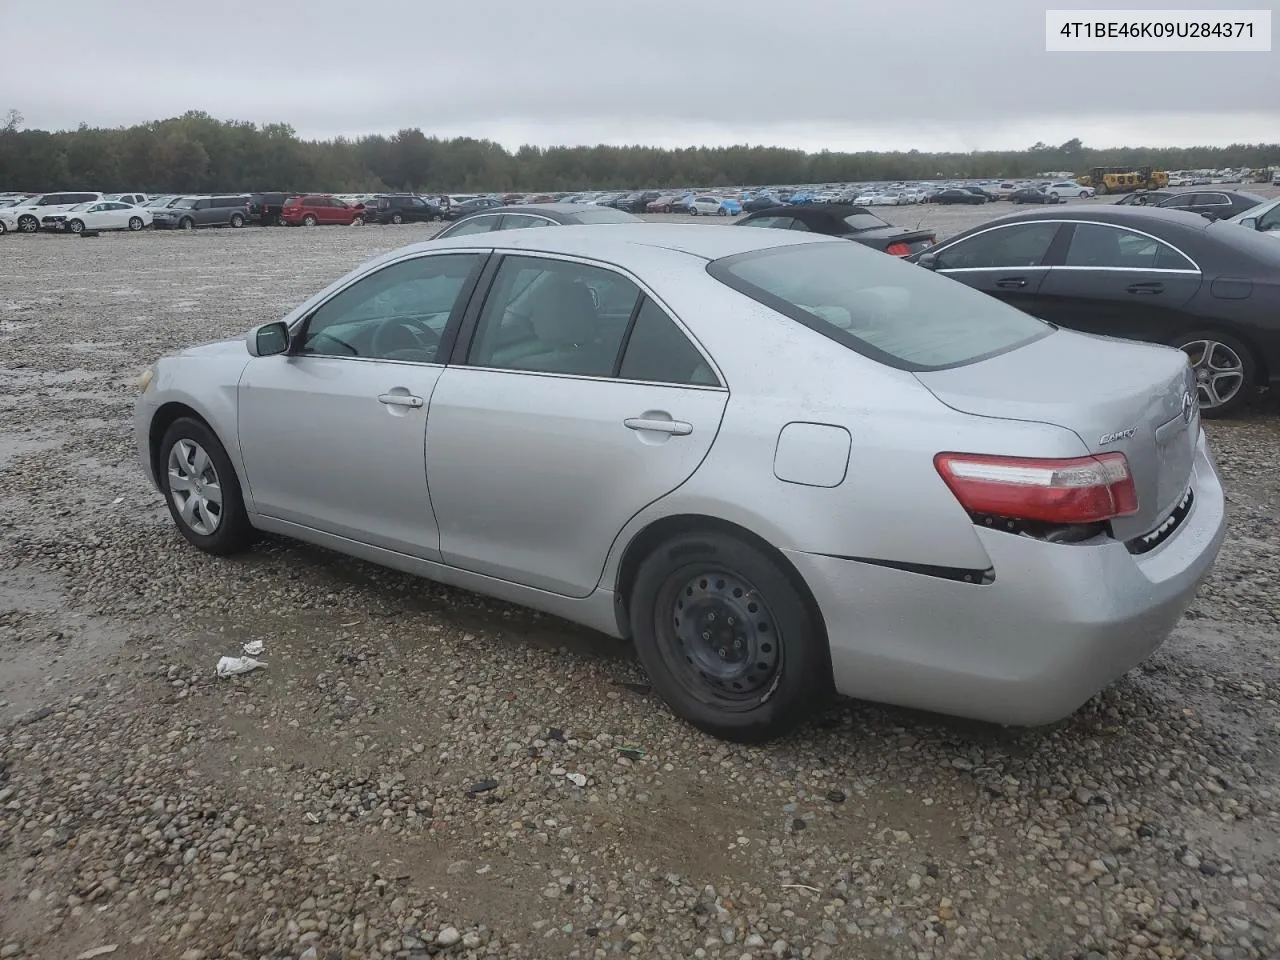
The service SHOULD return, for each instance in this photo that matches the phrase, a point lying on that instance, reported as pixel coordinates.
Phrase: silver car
(783, 465)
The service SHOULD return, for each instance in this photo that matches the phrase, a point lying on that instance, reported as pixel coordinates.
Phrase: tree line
(198, 153)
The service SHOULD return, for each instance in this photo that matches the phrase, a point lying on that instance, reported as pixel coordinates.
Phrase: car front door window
(397, 313)
(554, 316)
(517, 221)
(1016, 245)
(1269, 222)
(1098, 245)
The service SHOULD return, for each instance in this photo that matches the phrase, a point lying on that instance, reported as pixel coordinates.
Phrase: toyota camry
(783, 465)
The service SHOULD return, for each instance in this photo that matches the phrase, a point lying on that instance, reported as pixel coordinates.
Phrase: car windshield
(186, 203)
(894, 312)
(865, 221)
(82, 206)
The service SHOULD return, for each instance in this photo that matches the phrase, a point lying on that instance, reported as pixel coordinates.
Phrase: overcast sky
(814, 74)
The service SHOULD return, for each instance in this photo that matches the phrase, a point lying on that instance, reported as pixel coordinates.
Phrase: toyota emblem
(1188, 406)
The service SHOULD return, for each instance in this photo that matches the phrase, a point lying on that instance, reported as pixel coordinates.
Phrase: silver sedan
(784, 466)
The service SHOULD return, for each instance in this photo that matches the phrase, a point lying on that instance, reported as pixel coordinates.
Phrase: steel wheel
(1220, 371)
(720, 637)
(194, 487)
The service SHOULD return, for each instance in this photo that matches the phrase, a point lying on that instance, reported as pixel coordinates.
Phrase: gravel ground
(419, 770)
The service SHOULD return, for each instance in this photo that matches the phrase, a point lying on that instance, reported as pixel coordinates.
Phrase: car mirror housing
(268, 339)
(1250, 222)
(928, 260)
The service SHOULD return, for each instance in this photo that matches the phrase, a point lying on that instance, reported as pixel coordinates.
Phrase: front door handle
(400, 400)
(1011, 282)
(677, 428)
(1154, 286)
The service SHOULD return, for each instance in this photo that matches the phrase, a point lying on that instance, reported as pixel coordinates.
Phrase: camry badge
(1118, 435)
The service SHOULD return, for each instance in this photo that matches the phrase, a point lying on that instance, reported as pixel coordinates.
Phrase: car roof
(1133, 216)
(615, 240)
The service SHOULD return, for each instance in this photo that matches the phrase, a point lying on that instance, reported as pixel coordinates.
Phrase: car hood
(216, 348)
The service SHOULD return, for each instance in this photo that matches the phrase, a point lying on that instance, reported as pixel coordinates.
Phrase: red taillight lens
(1078, 490)
(898, 249)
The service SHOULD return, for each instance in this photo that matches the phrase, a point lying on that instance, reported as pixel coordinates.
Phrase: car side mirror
(1250, 222)
(268, 339)
(928, 260)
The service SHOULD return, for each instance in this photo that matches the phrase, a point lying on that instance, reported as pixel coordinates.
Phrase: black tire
(28, 224)
(237, 220)
(1248, 369)
(75, 226)
(785, 671)
(136, 224)
(233, 533)
(693, 211)
(186, 223)
(3, 229)
(309, 220)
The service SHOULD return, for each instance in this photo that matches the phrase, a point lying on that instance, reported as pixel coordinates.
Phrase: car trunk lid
(1117, 396)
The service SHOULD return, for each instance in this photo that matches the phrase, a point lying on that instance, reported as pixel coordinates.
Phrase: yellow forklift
(1106, 180)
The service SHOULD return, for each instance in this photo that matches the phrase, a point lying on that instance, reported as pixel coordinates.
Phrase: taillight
(898, 249)
(1078, 490)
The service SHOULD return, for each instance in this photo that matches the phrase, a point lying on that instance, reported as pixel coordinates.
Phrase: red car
(316, 208)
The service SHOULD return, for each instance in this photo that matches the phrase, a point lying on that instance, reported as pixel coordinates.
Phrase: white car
(32, 212)
(1066, 189)
(704, 204)
(865, 199)
(99, 215)
(1265, 218)
(8, 221)
(136, 199)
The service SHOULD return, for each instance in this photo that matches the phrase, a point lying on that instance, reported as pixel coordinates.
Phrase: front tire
(309, 220)
(186, 223)
(237, 221)
(201, 489)
(1225, 370)
(727, 639)
(359, 222)
(75, 226)
(135, 224)
(28, 224)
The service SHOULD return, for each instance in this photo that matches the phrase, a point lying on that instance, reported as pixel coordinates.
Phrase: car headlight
(145, 378)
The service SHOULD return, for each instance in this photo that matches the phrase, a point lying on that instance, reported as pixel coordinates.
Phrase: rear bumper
(1059, 623)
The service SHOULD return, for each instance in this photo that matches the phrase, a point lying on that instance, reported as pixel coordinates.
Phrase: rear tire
(727, 639)
(397, 218)
(216, 524)
(693, 211)
(1225, 368)
(135, 224)
(237, 221)
(75, 226)
(309, 220)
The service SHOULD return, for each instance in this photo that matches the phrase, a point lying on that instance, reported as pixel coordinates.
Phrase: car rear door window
(658, 351)
(1014, 245)
(554, 316)
(1100, 245)
(1182, 201)
(396, 313)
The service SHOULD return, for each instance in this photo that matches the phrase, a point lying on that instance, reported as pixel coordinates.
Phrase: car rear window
(865, 221)
(894, 312)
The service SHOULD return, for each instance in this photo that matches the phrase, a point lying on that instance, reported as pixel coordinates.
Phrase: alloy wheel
(1219, 371)
(194, 487)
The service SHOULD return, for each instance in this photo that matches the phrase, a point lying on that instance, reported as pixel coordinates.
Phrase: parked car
(704, 203)
(648, 429)
(265, 209)
(189, 213)
(1145, 198)
(637, 202)
(980, 192)
(166, 201)
(8, 222)
(953, 195)
(134, 199)
(1215, 204)
(664, 203)
(1032, 195)
(1069, 189)
(99, 215)
(730, 207)
(523, 215)
(30, 213)
(761, 201)
(847, 221)
(401, 208)
(1163, 276)
(312, 209)
(1264, 219)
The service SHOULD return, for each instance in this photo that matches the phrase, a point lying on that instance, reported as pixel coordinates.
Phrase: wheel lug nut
(706, 635)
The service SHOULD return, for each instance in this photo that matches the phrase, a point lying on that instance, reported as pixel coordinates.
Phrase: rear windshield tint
(894, 312)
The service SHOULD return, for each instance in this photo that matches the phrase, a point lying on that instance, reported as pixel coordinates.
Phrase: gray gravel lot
(404, 778)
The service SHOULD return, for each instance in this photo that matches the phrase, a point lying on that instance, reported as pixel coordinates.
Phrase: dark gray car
(214, 211)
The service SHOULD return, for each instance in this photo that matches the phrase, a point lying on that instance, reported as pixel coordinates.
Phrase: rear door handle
(400, 400)
(677, 428)
(1145, 288)
(1011, 282)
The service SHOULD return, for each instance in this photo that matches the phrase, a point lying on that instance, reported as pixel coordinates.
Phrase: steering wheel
(400, 334)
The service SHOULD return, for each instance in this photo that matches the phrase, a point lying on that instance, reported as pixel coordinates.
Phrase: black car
(636, 202)
(956, 195)
(400, 208)
(1142, 273)
(1213, 204)
(843, 220)
(535, 215)
(1145, 198)
(1032, 195)
(456, 211)
(264, 208)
